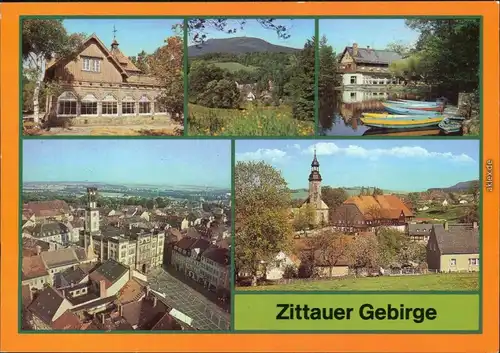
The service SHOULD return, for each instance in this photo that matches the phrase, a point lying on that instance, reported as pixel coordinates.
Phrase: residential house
(419, 232)
(48, 306)
(55, 232)
(366, 67)
(181, 253)
(276, 268)
(98, 81)
(34, 273)
(365, 213)
(215, 268)
(453, 249)
(196, 249)
(445, 203)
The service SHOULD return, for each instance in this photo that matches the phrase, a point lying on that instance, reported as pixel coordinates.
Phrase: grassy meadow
(445, 281)
(450, 213)
(252, 121)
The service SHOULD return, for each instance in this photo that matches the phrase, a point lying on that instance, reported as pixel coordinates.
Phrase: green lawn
(450, 213)
(252, 121)
(233, 66)
(449, 281)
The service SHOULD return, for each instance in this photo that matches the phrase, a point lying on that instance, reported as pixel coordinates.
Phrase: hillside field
(445, 281)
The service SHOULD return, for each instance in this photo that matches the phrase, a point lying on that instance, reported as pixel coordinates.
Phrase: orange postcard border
(12, 341)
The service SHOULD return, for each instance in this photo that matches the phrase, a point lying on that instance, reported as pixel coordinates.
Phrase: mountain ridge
(237, 45)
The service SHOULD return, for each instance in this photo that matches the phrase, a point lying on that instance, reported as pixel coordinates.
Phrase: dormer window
(91, 64)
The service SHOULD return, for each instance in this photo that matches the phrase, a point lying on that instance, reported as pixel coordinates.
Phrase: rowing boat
(405, 110)
(449, 126)
(416, 106)
(397, 116)
(402, 123)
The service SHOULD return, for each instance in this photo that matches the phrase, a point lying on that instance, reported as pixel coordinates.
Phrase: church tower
(315, 183)
(91, 222)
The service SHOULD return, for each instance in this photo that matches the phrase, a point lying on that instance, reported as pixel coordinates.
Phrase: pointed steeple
(315, 176)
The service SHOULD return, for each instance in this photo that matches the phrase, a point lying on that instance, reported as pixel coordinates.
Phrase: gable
(70, 68)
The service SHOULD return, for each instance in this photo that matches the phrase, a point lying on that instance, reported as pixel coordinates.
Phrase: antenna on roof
(114, 32)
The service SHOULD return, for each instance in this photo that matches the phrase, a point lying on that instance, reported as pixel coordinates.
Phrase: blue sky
(376, 33)
(300, 31)
(132, 35)
(157, 162)
(404, 165)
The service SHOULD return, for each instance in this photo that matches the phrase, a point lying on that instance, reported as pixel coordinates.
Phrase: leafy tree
(220, 94)
(290, 272)
(449, 50)
(376, 191)
(305, 218)
(333, 197)
(362, 252)
(470, 214)
(43, 40)
(401, 48)
(200, 74)
(262, 202)
(414, 197)
(167, 66)
(474, 190)
(391, 243)
(141, 61)
(329, 248)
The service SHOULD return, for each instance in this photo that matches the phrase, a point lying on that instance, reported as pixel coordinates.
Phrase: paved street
(205, 314)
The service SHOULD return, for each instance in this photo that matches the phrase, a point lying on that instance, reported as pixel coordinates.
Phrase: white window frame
(67, 97)
(144, 100)
(453, 262)
(109, 99)
(128, 100)
(89, 98)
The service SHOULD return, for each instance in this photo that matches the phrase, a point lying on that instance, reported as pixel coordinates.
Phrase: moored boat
(415, 104)
(436, 108)
(402, 123)
(449, 126)
(405, 110)
(400, 116)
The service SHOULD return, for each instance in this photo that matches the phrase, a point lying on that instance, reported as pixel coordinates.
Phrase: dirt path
(122, 130)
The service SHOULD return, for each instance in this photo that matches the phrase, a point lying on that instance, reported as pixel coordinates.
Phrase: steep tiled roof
(374, 56)
(67, 321)
(419, 229)
(60, 257)
(73, 276)
(33, 267)
(46, 304)
(388, 206)
(185, 243)
(49, 229)
(110, 271)
(145, 313)
(457, 241)
(46, 208)
(131, 291)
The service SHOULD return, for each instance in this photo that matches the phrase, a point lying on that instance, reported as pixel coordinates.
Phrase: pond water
(342, 115)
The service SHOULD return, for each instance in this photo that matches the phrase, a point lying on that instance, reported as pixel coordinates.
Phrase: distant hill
(238, 45)
(351, 191)
(462, 186)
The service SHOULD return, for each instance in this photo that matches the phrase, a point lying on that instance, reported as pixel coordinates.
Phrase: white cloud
(263, 154)
(330, 148)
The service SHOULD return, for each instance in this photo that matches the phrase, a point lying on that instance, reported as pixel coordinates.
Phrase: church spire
(114, 44)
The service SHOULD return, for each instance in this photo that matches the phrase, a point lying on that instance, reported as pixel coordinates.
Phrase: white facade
(357, 96)
(276, 269)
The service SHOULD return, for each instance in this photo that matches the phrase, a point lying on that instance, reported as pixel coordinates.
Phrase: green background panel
(455, 312)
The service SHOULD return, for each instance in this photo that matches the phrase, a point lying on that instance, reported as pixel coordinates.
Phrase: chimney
(474, 225)
(120, 309)
(445, 225)
(38, 249)
(102, 288)
(355, 49)
(130, 273)
(148, 289)
(155, 301)
(102, 318)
